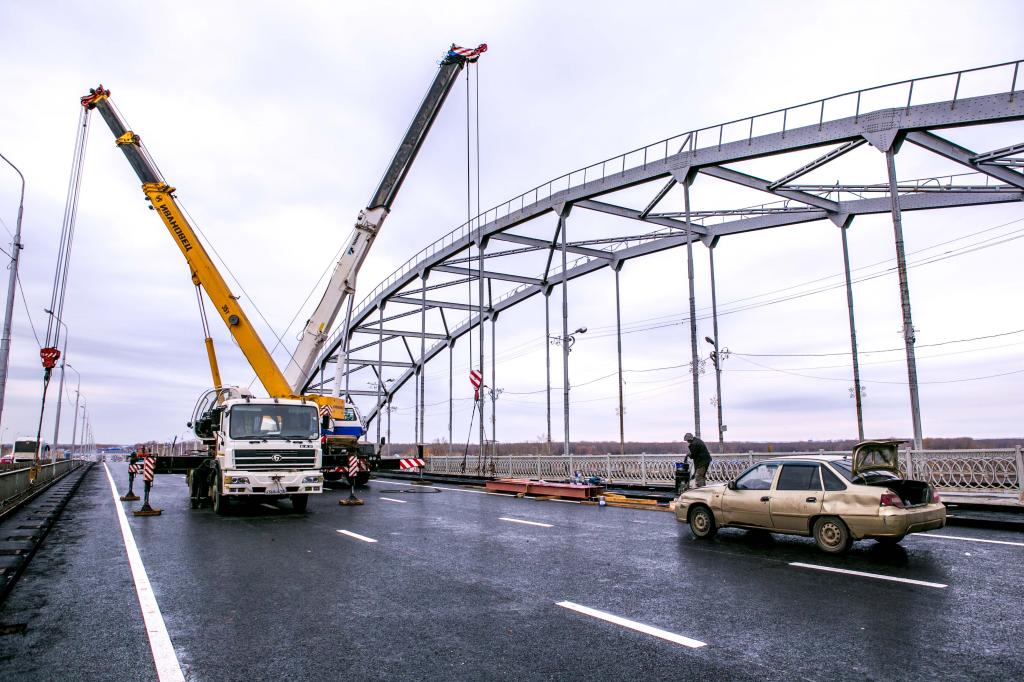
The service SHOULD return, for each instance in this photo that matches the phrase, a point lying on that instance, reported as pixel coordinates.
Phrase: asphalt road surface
(459, 584)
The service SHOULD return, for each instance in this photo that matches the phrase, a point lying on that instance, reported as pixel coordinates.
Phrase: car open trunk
(912, 493)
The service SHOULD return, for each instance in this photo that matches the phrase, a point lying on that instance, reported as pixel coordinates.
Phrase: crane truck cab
(266, 448)
(342, 433)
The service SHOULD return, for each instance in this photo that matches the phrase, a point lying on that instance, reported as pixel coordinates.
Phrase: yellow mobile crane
(256, 446)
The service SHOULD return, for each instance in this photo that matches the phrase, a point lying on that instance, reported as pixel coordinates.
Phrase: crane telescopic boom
(204, 272)
(343, 282)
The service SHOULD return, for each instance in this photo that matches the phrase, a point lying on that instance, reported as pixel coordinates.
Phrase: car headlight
(235, 480)
(311, 479)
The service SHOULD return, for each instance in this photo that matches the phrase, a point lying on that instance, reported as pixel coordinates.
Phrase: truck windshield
(274, 421)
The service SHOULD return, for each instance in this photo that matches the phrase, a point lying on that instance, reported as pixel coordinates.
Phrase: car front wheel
(832, 535)
(702, 523)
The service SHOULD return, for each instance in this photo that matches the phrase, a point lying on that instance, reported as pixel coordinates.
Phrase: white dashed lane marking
(528, 523)
(391, 499)
(357, 536)
(862, 574)
(269, 506)
(633, 625)
(929, 536)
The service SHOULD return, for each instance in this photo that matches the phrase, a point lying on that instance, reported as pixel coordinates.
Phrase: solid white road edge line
(357, 536)
(528, 523)
(877, 576)
(633, 625)
(391, 499)
(960, 537)
(164, 657)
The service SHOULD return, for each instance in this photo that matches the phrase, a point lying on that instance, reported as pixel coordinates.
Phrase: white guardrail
(982, 471)
(14, 479)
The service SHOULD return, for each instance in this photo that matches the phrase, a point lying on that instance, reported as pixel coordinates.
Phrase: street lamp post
(63, 364)
(12, 282)
(566, 342)
(74, 422)
(717, 358)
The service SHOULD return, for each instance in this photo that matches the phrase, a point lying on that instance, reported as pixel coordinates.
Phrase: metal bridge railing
(991, 471)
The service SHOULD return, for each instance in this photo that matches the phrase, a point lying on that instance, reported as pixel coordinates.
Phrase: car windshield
(274, 421)
(845, 468)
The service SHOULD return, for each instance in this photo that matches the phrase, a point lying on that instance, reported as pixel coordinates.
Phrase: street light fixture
(716, 358)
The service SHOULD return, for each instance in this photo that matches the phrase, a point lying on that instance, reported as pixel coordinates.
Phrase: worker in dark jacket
(700, 456)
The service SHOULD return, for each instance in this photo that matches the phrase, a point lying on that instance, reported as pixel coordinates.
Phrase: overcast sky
(275, 120)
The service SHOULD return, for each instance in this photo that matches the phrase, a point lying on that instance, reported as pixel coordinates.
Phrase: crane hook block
(94, 96)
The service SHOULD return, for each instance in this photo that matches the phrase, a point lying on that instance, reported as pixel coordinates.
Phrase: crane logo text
(174, 226)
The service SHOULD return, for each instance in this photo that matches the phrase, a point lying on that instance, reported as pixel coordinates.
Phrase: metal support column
(908, 324)
(480, 319)
(380, 366)
(693, 307)
(451, 386)
(547, 358)
(718, 352)
(853, 330)
(617, 267)
(494, 376)
(565, 335)
(422, 383)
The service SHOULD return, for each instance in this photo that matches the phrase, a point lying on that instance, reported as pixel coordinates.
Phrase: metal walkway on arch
(440, 281)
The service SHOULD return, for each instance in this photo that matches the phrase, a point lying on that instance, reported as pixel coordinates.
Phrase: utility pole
(12, 282)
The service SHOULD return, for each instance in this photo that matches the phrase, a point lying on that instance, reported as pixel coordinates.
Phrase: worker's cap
(688, 436)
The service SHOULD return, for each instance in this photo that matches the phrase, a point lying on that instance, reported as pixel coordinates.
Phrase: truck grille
(257, 460)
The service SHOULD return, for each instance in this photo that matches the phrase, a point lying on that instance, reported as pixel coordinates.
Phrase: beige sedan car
(833, 498)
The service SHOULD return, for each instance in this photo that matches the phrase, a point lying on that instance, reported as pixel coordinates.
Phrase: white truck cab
(263, 447)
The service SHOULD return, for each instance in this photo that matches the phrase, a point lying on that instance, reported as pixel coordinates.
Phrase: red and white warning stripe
(150, 470)
(476, 378)
(134, 468)
(353, 465)
(411, 463)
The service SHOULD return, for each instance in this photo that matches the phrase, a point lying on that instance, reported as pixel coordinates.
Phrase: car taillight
(935, 497)
(890, 499)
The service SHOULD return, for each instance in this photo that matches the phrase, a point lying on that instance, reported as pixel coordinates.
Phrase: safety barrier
(15, 483)
(992, 471)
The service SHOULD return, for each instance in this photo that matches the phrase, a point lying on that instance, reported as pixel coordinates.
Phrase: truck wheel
(299, 502)
(362, 478)
(220, 501)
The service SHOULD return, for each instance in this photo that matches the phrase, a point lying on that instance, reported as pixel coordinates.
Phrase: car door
(746, 503)
(796, 497)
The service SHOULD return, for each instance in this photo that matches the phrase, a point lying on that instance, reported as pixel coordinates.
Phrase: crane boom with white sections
(343, 282)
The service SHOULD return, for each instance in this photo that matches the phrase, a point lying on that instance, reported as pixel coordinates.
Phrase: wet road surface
(458, 584)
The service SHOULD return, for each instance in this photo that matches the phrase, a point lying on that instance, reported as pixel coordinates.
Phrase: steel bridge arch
(990, 177)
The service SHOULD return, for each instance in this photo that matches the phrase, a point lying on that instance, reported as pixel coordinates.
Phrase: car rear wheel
(832, 535)
(702, 523)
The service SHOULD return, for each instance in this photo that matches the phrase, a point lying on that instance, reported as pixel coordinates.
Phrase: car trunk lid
(876, 455)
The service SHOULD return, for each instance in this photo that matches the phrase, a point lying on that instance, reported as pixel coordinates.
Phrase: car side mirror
(731, 485)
